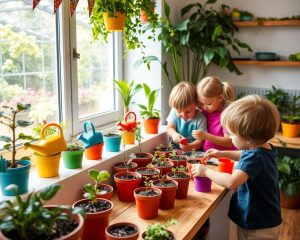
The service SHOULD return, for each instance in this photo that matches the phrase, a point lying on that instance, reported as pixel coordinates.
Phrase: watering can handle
(127, 115)
(91, 125)
(49, 125)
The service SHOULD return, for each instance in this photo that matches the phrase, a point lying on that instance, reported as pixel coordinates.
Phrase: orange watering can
(128, 125)
(50, 145)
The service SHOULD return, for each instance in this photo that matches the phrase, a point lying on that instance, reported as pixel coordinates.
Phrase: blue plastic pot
(112, 142)
(18, 176)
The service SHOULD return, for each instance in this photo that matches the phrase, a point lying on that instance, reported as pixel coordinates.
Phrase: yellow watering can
(50, 145)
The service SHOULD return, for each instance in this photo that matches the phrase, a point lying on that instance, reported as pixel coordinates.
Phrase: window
(34, 59)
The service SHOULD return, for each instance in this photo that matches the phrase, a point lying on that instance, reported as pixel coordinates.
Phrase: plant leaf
(23, 123)
(5, 139)
(49, 192)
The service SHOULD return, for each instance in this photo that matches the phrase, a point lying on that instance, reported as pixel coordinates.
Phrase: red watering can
(128, 125)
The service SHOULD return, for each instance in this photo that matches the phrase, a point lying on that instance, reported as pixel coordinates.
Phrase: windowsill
(72, 180)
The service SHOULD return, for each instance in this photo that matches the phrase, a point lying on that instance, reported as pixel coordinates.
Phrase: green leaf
(186, 9)
(166, 9)
(183, 26)
(49, 192)
(25, 137)
(23, 107)
(141, 61)
(7, 146)
(23, 123)
(217, 32)
(93, 174)
(5, 139)
(2, 114)
(142, 106)
(208, 56)
(210, 1)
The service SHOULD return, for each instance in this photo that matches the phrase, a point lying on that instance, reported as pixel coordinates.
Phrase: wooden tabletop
(290, 142)
(190, 213)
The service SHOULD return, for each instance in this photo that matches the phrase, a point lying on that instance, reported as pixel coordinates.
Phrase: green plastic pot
(72, 159)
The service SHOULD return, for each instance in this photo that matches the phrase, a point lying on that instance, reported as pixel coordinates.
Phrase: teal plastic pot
(18, 176)
(112, 142)
(72, 159)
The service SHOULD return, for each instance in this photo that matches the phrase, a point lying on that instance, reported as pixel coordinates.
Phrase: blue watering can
(90, 138)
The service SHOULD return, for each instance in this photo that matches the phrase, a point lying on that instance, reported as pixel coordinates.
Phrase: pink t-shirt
(214, 127)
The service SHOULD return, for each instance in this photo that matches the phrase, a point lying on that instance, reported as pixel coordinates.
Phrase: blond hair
(183, 95)
(212, 86)
(252, 117)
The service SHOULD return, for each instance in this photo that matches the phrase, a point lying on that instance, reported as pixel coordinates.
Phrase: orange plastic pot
(151, 125)
(128, 137)
(148, 176)
(125, 187)
(115, 23)
(168, 193)
(290, 130)
(142, 159)
(147, 206)
(47, 166)
(94, 152)
(225, 165)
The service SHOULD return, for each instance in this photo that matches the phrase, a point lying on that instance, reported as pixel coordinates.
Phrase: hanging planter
(115, 22)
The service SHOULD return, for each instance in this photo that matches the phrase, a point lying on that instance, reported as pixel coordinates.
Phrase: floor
(290, 229)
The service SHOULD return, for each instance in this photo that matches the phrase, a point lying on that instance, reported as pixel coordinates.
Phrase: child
(214, 96)
(184, 116)
(255, 207)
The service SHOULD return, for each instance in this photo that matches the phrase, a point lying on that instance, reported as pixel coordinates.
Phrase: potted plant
(127, 181)
(291, 120)
(147, 200)
(122, 230)
(141, 158)
(14, 171)
(164, 149)
(31, 219)
(97, 211)
(148, 172)
(129, 12)
(161, 162)
(159, 231)
(73, 155)
(128, 127)
(278, 97)
(180, 175)
(112, 142)
(178, 160)
(150, 115)
(99, 189)
(126, 90)
(289, 181)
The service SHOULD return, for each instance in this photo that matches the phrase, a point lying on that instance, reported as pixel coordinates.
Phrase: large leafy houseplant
(192, 45)
(278, 97)
(292, 115)
(30, 219)
(133, 29)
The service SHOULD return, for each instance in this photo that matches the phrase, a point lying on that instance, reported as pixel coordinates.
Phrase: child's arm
(223, 141)
(171, 130)
(230, 181)
(234, 155)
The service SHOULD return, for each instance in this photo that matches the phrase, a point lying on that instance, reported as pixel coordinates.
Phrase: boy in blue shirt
(185, 117)
(255, 204)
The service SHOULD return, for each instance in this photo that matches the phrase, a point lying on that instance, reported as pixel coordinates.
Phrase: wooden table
(190, 213)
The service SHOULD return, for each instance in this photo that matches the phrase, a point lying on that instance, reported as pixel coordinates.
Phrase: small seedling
(159, 231)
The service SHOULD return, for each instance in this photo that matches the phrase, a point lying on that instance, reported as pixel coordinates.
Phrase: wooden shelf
(268, 63)
(290, 142)
(268, 23)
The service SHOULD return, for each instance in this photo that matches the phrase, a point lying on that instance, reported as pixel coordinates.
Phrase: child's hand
(199, 134)
(198, 170)
(213, 153)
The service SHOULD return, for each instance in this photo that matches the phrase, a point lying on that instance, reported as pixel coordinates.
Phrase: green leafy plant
(92, 189)
(278, 97)
(159, 231)
(148, 111)
(8, 117)
(127, 90)
(29, 219)
(133, 29)
(289, 175)
(73, 147)
(293, 111)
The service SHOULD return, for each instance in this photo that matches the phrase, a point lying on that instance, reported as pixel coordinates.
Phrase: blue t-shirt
(256, 203)
(185, 128)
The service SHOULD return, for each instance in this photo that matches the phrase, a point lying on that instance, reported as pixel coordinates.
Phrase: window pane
(95, 68)
(28, 59)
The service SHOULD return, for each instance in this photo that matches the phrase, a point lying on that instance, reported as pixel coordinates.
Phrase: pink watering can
(50, 145)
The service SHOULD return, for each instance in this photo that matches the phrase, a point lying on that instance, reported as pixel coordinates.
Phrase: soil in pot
(148, 192)
(122, 230)
(142, 159)
(178, 160)
(98, 206)
(121, 167)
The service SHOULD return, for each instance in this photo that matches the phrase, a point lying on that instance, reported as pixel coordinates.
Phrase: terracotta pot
(291, 203)
(168, 193)
(108, 195)
(143, 159)
(225, 165)
(290, 130)
(94, 152)
(116, 169)
(134, 227)
(178, 163)
(74, 235)
(147, 206)
(165, 169)
(115, 23)
(95, 223)
(183, 184)
(126, 187)
(151, 124)
(148, 176)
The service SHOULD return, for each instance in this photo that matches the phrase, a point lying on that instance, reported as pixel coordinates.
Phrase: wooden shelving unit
(268, 23)
(290, 142)
(268, 63)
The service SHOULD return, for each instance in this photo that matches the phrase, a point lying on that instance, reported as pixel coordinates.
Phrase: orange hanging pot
(115, 23)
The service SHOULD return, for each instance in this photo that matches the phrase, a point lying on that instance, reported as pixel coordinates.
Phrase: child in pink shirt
(214, 96)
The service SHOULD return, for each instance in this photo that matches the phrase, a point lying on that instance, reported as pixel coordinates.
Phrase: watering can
(49, 145)
(128, 125)
(90, 138)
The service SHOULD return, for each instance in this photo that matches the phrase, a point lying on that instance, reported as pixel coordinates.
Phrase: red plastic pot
(142, 159)
(183, 184)
(225, 165)
(168, 193)
(116, 169)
